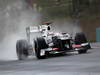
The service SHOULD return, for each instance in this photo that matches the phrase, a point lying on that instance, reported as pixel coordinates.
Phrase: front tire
(79, 39)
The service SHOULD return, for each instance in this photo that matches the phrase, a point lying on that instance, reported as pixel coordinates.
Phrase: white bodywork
(43, 31)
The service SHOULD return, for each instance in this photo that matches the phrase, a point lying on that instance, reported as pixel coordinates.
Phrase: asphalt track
(69, 64)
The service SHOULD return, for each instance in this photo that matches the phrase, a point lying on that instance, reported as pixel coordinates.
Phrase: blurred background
(67, 16)
(74, 15)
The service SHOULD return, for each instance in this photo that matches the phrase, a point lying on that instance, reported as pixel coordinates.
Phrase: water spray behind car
(15, 16)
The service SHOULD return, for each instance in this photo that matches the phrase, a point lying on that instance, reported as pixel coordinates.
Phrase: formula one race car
(46, 42)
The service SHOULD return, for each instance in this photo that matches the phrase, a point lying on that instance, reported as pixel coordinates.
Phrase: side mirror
(48, 28)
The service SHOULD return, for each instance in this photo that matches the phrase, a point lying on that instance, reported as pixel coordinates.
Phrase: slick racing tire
(39, 45)
(57, 42)
(22, 49)
(80, 38)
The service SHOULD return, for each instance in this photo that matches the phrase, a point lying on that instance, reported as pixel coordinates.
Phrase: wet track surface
(69, 64)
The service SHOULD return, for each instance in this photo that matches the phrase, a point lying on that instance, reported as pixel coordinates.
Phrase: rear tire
(22, 49)
(39, 44)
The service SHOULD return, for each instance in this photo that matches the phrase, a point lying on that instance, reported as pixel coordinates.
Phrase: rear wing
(32, 29)
(40, 28)
(35, 30)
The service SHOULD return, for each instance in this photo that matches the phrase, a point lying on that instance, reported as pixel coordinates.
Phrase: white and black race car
(50, 43)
